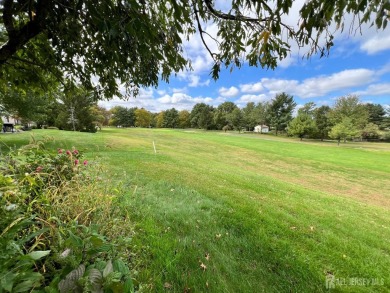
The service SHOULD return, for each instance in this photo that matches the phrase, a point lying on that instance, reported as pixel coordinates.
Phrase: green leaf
(35, 255)
(75, 240)
(108, 269)
(7, 281)
(24, 286)
(120, 266)
(32, 276)
(96, 241)
(103, 248)
(128, 286)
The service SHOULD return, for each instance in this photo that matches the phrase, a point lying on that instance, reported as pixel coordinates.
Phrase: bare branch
(201, 31)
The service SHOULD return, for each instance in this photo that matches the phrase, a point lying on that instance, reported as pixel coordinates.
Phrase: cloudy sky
(358, 64)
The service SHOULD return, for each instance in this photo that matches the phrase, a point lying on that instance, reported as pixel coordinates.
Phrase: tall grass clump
(56, 224)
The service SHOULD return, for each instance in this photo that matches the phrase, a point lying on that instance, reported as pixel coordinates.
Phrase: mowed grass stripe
(193, 173)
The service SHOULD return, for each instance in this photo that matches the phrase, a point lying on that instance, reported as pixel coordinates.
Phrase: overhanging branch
(18, 40)
(201, 33)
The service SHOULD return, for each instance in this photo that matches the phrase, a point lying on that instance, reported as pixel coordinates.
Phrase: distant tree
(153, 123)
(301, 125)
(280, 111)
(100, 116)
(376, 114)
(171, 118)
(122, 116)
(386, 120)
(222, 112)
(322, 121)
(236, 119)
(250, 117)
(308, 109)
(184, 119)
(261, 113)
(143, 118)
(202, 116)
(351, 107)
(343, 130)
(51, 112)
(75, 110)
(371, 130)
(160, 120)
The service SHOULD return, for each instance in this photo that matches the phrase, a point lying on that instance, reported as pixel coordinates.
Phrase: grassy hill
(228, 212)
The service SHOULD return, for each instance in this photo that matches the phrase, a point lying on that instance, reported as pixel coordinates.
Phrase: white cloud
(244, 99)
(320, 85)
(179, 90)
(229, 92)
(145, 99)
(195, 81)
(376, 90)
(251, 87)
(376, 44)
(180, 101)
(275, 86)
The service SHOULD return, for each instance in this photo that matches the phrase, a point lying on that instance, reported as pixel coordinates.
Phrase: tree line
(347, 118)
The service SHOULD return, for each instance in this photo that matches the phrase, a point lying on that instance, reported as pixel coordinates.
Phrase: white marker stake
(154, 146)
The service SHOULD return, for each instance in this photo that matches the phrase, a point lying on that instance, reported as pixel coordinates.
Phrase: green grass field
(218, 212)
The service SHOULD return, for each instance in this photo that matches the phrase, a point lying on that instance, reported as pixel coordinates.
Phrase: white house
(261, 129)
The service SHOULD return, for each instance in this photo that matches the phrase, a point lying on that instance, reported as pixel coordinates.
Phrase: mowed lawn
(229, 212)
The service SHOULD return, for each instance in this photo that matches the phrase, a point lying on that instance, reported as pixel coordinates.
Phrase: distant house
(261, 129)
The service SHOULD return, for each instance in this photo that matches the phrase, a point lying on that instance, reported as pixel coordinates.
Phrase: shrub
(48, 240)
(385, 136)
(226, 128)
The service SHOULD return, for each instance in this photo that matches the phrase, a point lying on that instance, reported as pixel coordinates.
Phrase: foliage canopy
(103, 44)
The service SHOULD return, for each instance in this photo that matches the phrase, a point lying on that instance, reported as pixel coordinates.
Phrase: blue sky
(358, 64)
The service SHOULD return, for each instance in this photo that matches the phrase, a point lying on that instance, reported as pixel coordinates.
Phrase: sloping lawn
(220, 212)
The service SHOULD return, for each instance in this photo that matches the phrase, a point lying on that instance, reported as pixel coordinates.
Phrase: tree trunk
(17, 38)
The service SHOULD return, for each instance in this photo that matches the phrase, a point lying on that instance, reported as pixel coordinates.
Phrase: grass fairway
(220, 212)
